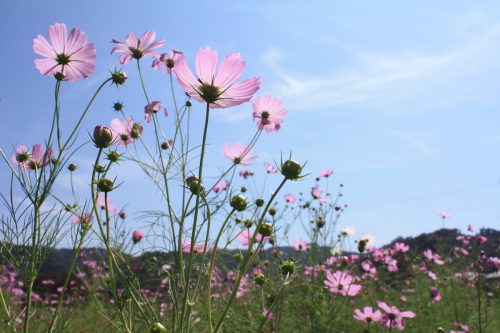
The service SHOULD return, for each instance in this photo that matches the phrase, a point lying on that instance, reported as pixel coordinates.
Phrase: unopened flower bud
(105, 185)
(272, 211)
(114, 156)
(362, 245)
(118, 106)
(136, 131)
(288, 267)
(266, 229)
(248, 223)
(291, 169)
(188, 104)
(194, 185)
(118, 77)
(238, 257)
(100, 168)
(167, 144)
(320, 222)
(137, 236)
(259, 279)
(243, 189)
(158, 328)
(239, 203)
(72, 167)
(237, 220)
(259, 202)
(59, 76)
(103, 136)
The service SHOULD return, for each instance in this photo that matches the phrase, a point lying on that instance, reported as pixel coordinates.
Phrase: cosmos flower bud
(136, 131)
(266, 229)
(114, 156)
(291, 169)
(103, 136)
(118, 106)
(158, 328)
(105, 185)
(248, 223)
(118, 77)
(194, 185)
(137, 236)
(188, 104)
(72, 167)
(259, 202)
(238, 257)
(362, 245)
(167, 144)
(288, 267)
(239, 203)
(272, 211)
(320, 222)
(260, 279)
(59, 76)
(100, 168)
(243, 189)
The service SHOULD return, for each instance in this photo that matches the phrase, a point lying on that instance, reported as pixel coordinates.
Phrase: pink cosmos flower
(122, 131)
(301, 245)
(38, 157)
(100, 202)
(268, 112)
(137, 235)
(341, 283)
(22, 157)
(326, 173)
(269, 168)
(154, 107)
(246, 173)
(316, 192)
(216, 86)
(470, 228)
(401, 247)
(435, 294)
(480, 240)
(246, 236)
(239, 153)
(393, 317)
(70, 57)
(268, 314)
(435, 258)
(368, 267)
(82, 219)
(221, 186)
(186, 247)
(167, 61)
(444, 214)
(137, 48)
(290, 198)
(368, 315)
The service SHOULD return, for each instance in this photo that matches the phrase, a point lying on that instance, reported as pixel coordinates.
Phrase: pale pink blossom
(290, 198)
(268, 314)
(316, 192)
(221, 186)
(270, 168)
(137, 48)
(435, 258)
(166, 61)
(153, 108)
(239, 153)
(480, 240)
(21, 157)
(100, 202)
(301, 245)
(393, 317)
(444, 214)
(368, 315)
(341, 283)
(268, 112)
(39, 158)
(435, 294)
(122, 131)
(245, 238)
(70, 57)
(401, 247)
(470, 228)
(216, 86)
(326, 173)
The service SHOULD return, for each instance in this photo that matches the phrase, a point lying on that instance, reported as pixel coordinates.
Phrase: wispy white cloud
(391, 81)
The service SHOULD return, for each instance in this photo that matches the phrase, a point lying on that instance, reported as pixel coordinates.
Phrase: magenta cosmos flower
(167, 61)
(239, 153)
(268, 113)
(67, 57)
(37, 159)
(368, 315)
(122, 131)
(137, 48)
(290, 198)
(216, 86)
(393, 317)
(154, 107)
(137, 235)
(341, 283)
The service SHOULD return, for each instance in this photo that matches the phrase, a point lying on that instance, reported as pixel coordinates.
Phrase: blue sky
(399, 98)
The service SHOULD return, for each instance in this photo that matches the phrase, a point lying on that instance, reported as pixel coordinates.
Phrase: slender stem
(195, 218)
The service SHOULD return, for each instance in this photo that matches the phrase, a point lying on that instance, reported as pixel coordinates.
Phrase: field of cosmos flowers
(220, 256)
